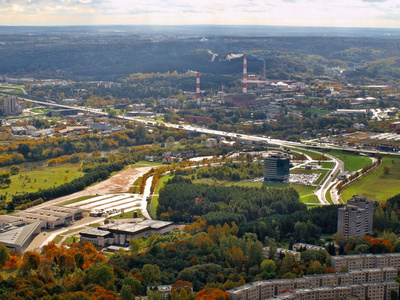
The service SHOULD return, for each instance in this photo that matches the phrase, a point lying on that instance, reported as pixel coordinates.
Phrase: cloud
(231, 12)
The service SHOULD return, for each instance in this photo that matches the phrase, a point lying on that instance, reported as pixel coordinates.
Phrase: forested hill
(111, 56)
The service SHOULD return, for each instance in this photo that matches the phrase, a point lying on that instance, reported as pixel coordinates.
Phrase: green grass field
(315, 111)
(310, 199)
(43, 178)
(328, 165)
(376, 185)
(11, 89)
(352, 161)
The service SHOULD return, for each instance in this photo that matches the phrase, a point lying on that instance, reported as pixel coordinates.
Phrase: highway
(321, 192)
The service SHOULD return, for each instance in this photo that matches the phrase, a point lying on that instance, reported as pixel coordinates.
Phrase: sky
(330, 13)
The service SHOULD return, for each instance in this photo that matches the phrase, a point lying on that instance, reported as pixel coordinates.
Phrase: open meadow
(377, 185)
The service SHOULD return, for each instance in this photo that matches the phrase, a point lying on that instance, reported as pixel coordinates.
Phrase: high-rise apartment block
(9, 107)
(355, 219)
(276, 167)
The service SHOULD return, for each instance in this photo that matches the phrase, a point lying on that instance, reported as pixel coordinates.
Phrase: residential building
(375, 283)
(355, 219)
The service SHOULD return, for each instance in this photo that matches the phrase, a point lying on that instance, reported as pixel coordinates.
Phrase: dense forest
(271, 212)
(113, 57)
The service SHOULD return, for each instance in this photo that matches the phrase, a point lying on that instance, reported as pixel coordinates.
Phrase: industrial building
(355, 219)
(276, 167)
(18, 238)
(48, 217)
(18, 230)
(121, 234)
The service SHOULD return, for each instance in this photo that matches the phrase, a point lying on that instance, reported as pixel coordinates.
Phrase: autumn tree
(31, 260)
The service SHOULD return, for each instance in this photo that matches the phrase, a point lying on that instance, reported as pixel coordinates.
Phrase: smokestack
(265, 76)
(198, 89)
(244, 74)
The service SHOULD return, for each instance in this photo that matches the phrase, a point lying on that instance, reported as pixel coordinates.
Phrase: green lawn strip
(328, 196)
(58, 239)
(128, 215)
(313, 155)
(71, 240)
(153, 206)
(352, 161)
(41, 179)
(76, 200)
(154, 199)
(161, 183)
(322, 177)
(376, 185)
(309, 199)
(328, 165)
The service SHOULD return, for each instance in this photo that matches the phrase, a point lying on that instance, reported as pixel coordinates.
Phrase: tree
(126, 293)
(339, 238)
(31, 260)
(151, 274)
(4, 255)
(10, 207)
(134, 245)
(101, 275)
(211, 294)
(180, 284)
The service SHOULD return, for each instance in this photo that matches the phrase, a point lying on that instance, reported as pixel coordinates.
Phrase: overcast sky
(342, 13)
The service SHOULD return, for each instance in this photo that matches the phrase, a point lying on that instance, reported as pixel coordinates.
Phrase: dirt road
(118, 183)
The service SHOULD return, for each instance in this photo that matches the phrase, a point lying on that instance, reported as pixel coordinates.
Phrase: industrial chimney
(244, 74)
(198, 89)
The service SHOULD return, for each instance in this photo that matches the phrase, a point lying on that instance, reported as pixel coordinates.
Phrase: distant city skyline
(338, 13)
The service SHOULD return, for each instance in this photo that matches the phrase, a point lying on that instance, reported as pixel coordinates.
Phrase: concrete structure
(360, 261)
(198, 99)
(18, 238)
(244, 74)
(371, 290)
(323, 286)
(276, 167)
(48, 217)
(210, 142)
(23, 130)
(121, 234)
(10, 106)
(355, 219)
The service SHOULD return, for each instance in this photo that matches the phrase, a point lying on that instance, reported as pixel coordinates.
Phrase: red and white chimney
(198, 89)
(244, 74)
